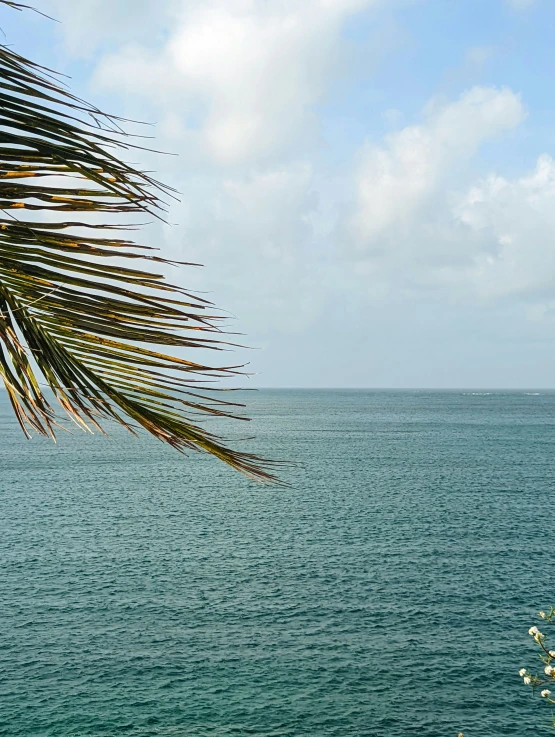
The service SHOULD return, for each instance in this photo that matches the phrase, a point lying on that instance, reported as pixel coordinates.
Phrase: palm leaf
(82, 307)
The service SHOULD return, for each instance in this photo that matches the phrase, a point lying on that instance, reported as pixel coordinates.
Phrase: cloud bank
(242, 89)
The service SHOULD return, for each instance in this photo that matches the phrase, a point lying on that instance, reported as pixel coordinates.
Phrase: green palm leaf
(86, 305)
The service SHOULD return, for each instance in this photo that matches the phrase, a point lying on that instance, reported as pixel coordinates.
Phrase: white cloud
(409, 239)
(87, 25)
(512, 224)
(254, 233)
(395, 181)
(492, 242)
(232, 84)
(248, 72)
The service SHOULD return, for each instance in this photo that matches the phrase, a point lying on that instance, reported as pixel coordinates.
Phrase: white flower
(533, 631)
(548, 670)
(527, 680)
(545, 693)
(538, 636)
(522, 672)
(552, 653)
(542, 615)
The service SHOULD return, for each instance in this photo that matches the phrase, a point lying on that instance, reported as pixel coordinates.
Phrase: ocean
(387, 592)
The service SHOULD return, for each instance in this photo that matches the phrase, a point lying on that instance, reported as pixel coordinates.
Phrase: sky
(369, 184)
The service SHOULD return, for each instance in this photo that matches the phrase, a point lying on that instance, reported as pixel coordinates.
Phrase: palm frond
(81, 298)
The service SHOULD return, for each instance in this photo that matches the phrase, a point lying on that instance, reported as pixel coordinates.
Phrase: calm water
(388, 592)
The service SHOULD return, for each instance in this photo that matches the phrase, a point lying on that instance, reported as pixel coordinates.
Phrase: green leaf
(89, 309)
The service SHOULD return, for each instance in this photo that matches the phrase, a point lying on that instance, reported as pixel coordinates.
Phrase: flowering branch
(547, 657)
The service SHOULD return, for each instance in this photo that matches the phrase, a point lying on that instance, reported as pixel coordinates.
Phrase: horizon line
(385, 388)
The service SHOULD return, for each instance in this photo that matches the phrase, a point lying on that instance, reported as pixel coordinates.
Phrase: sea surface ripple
(387, 592)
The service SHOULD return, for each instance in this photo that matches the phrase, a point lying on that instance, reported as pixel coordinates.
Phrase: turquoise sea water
(387, 592)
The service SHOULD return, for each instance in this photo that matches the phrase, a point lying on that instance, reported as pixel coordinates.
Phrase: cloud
(416, 229)
(512, 225)
(254, 233)
(232, 84)
(241, 77)
(396, 180)
(103, 23)
(319, 252)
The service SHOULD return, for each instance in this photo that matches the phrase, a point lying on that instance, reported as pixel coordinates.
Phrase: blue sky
(369, 184)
